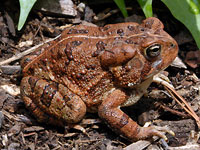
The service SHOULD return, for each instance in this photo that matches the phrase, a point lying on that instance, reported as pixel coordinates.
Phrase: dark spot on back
(100, 47)
(76, 43)
(131, 28)
(68, 52)
(142, 29)
(83, 31)
(129, 41)
(75, 31)
(120, 32)
(72, 31)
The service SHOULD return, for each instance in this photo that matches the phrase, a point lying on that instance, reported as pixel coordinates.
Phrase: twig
(172, 110)
(28, 51)
(186, 107)
(179, 99)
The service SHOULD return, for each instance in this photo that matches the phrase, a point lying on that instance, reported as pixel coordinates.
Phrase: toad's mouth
(156, 68)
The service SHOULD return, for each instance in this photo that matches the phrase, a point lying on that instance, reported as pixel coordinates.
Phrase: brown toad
(97, 69)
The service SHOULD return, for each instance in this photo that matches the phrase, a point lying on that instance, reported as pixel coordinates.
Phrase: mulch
(20, 130)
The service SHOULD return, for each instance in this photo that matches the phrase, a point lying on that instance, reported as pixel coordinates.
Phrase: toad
(97, 69)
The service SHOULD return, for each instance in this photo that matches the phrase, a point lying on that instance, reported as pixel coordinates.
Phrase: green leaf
(187, 12)
(25, 7)
(146, 6)
(122, 7)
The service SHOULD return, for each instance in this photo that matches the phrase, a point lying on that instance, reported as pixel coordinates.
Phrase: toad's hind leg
(51, 102)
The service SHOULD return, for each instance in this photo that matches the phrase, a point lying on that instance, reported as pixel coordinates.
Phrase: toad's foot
(145, 132)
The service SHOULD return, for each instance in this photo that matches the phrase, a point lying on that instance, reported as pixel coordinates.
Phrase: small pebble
(13, 146)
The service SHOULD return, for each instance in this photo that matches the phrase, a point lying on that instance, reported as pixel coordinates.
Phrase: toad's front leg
(110, 111)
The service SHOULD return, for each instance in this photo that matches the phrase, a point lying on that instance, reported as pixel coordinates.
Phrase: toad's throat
(138, 91)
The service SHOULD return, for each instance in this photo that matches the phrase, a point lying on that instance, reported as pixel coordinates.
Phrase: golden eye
(153, 51)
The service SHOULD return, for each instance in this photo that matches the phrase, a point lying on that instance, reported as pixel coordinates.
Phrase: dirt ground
(20, 130)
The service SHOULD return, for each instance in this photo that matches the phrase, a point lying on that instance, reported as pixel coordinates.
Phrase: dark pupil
(153, 51)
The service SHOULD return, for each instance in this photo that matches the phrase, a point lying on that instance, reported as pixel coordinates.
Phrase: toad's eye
(153, 51)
